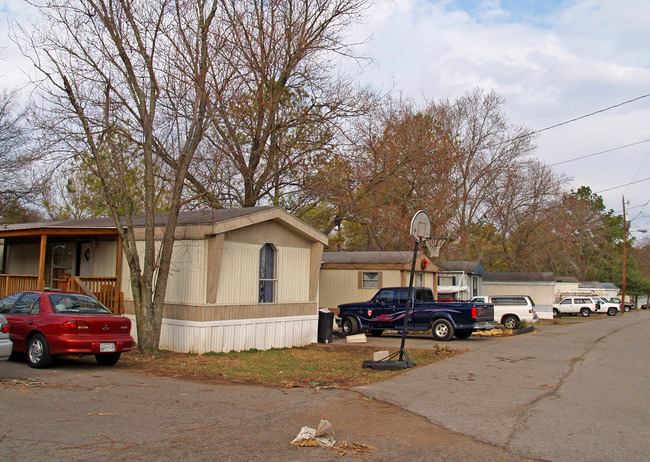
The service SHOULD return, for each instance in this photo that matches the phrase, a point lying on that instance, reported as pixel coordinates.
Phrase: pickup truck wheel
(510, 322)
(611, 311)
(442, 330)
(585, 312)
(349, 326)
(376, 332)
(462, 334)
(556, 313)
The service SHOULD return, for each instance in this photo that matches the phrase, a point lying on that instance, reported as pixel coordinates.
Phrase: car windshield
(73, 303)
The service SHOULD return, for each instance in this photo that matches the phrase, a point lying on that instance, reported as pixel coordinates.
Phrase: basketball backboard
(420, 226)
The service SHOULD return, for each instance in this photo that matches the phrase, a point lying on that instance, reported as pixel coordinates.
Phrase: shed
(241, 278)
(347, 277)
(540, 286)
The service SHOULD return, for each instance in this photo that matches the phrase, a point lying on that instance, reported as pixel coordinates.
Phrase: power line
(591, 114)
(568, 121)
(598, 153)
(622, 186)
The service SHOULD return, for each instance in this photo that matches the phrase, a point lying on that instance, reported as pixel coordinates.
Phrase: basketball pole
(409, 302)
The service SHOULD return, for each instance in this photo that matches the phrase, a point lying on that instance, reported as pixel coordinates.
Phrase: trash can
(325, 325)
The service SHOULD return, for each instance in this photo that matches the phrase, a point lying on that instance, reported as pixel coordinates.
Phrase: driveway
(564, 393)
(79, 411)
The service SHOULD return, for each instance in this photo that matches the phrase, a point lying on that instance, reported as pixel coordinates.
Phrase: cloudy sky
(551, 63)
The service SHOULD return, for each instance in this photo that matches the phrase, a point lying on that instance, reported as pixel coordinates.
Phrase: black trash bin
(325, 325)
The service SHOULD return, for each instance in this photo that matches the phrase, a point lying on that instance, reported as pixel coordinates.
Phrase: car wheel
(349, 325)
(442, 330)
(627, 308)
(510, 322)
(585, 312)
(108, 359)
(612, 312)
(376, 332)
(38, 352)
(556, 313)
(462, 334)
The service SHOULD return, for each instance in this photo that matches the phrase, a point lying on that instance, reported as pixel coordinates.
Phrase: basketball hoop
(434, 244)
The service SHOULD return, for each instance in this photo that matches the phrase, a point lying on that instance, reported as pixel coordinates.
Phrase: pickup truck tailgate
(484, 312)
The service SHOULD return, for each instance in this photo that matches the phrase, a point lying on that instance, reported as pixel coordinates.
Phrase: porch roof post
(118, 274)
(40, 285)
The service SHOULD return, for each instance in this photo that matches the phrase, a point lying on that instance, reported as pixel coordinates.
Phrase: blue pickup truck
(385, 311)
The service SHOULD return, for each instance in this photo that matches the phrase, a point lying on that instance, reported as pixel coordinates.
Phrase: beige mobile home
(356, 276)
(240, 278)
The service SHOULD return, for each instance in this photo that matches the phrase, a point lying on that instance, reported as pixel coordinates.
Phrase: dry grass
(321, 366)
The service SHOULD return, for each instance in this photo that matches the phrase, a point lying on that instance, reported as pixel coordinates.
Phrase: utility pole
(624, 255)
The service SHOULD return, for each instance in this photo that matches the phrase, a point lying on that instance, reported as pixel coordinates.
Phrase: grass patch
(316, 365)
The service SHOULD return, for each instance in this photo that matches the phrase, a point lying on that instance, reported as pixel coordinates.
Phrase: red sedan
(46, 324)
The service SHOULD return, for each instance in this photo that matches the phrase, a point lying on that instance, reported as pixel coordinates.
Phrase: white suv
(583, 305)
(603, 306)
(509, 310)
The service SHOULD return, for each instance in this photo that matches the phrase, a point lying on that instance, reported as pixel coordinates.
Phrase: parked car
(6, 345)
(628, 306)
(603, 305)
(582, 305)
(509, 310)
(46, 324)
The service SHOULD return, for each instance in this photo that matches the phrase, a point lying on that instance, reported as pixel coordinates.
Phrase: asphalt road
(562, 393)
(565, 393)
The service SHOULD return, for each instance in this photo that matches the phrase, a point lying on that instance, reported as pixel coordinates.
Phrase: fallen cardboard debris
(323, 436)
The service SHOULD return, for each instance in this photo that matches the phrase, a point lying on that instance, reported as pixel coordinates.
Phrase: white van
(510, 309)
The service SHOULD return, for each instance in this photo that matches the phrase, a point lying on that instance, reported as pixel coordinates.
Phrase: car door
(382, 314)
(22, 318)
(567, 306)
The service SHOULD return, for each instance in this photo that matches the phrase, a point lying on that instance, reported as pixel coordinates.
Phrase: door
(22, 318)
(86, 260)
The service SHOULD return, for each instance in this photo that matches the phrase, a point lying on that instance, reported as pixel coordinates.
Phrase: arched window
(268, 278)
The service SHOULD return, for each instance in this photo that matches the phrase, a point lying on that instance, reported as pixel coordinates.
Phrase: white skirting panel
(237, 335)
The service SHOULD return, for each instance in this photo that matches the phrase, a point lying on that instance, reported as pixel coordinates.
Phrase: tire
(627, 308)
(611, 311)
(376, 332)
(108, 359)
(462, 334)
(585, 312)
(510, 322)
(556, 313)
(442, 330)
(349, 325)
(38, 352)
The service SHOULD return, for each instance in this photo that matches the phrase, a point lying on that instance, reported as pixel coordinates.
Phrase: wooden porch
(104, 289)
(41, 237)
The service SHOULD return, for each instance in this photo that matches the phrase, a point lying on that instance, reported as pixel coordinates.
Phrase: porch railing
(102, 288)
(10, 283)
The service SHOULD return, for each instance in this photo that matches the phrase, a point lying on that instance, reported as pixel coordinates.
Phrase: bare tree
(17, 185)
(276, 117)
(486, 148)
(125, 89)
